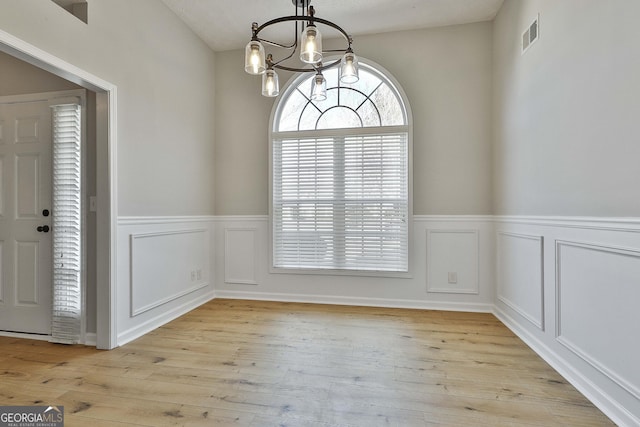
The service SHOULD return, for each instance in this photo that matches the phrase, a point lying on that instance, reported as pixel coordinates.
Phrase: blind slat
(341, 202)
(67, 297)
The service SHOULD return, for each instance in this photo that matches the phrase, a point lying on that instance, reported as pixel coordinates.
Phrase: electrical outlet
(199, 274)
(453, 277)
(193, 275)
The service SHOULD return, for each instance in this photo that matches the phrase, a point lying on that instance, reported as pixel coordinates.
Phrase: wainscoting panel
(590, 285)
(520, 275)
(241, 255)
(608, 335)
(164, 271)
(465, 242)
(167, 265)
(453, 261)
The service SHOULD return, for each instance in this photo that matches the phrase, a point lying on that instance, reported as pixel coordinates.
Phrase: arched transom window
(340, 176)
(371, 102)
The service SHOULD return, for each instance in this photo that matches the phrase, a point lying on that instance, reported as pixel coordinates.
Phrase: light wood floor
(246, 363)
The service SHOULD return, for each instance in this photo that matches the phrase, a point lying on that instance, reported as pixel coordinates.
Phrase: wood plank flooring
(246, 363)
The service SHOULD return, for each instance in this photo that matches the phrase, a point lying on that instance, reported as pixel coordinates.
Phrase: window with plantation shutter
(340, 177)
(67, 215)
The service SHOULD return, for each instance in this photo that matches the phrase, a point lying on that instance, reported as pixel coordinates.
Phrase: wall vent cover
(531, 34)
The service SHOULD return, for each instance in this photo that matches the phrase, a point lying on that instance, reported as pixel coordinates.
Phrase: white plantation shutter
(67, 214)
(341, 202)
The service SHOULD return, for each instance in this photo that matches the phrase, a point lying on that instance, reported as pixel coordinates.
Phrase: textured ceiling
(226, 24)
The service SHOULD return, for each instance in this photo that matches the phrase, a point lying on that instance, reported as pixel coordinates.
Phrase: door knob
(43, 229)
(45, 212)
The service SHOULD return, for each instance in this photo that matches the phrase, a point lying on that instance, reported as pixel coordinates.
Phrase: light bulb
(311, 45)
(319, 89)
(254, 58)
(270, 84)
(349, 68)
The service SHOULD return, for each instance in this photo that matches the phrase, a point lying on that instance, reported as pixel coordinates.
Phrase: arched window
(340, 175)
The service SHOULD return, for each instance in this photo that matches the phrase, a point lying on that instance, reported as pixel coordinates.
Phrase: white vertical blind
(341, 202)
(67, 215)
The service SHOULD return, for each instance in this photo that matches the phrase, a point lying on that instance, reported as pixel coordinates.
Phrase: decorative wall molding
(164, 270)
(162, 318)
(628, 224)
(153, 266)
(515, 286)
(241, 218)
(453, 218)
(241, 253)
(247, 236)
(356, 301)
(155, 220)
(455, 256)
(579, 379)
(572, 344)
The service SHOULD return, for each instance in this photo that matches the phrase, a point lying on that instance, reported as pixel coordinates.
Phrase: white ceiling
(226, 24)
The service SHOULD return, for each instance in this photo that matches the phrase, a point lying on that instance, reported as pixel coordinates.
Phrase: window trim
(274, 117)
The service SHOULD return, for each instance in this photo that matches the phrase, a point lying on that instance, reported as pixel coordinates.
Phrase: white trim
(628, 224)
(322, 133)
(356, 301)
(416, 218)
(132, 238)
(239, 218)
(161, 319)
(595, 394)
(515, 307)
(90, 339)
(22, 335)
(144, 220)
(452, 218)
(476, 234)
(567, 343)
(232, 280)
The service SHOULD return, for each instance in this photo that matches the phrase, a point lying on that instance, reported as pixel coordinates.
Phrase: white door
(25, 221)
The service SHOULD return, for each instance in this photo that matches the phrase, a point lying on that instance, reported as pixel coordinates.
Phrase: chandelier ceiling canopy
(307, 41)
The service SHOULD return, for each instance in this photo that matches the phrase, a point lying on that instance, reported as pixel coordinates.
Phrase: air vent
(530, 35)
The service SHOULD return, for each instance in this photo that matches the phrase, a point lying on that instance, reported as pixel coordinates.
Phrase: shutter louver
(67, 214)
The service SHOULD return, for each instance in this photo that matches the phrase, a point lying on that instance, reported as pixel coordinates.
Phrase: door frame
(106, 175)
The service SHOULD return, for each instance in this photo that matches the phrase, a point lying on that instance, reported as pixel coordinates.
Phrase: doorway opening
(106, 174)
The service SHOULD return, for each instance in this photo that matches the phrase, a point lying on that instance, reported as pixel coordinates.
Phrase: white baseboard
(90, 339)
(25, 336)
(159, 320)
(605, 403)
(355, 301)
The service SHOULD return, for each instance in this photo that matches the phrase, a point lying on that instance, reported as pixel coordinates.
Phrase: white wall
(165, 105)
(165, 79)
(566, 112)
(566, 146)
(446, 74)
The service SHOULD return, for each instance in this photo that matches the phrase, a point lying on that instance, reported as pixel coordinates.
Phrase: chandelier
(308, 38)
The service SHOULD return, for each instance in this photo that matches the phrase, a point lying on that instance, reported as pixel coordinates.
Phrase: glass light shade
(349, 68)
(319, 88)
(254, 58)
(270, 84)
(311, 45)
